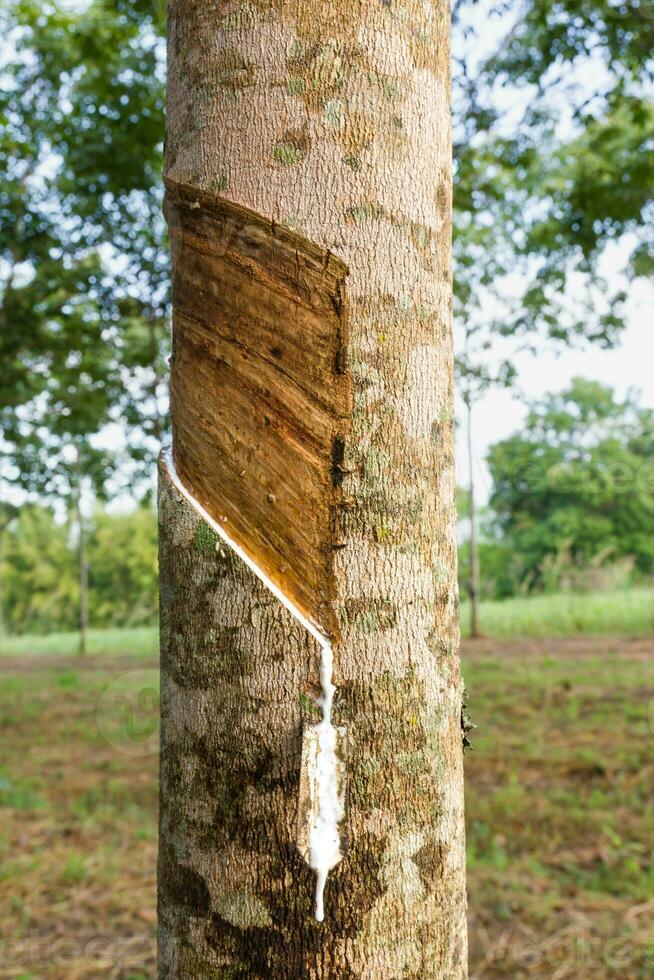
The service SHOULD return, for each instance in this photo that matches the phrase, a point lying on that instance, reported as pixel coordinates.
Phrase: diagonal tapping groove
(261, 404)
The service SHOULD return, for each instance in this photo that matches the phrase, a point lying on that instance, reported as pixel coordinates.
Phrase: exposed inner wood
(260, 398)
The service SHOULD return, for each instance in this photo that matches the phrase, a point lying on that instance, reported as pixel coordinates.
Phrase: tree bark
(82, 566)
(474, 541)
(327, 126)
(3, 528)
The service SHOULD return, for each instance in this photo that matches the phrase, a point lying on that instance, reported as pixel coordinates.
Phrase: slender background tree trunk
(82, 566)
(333, 121)
(474, 541)
(3, 528)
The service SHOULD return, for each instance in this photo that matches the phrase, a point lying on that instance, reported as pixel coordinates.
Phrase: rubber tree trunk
(474, 538)
(308, 184)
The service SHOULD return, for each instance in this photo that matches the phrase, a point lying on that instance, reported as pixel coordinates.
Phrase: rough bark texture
(333, 121)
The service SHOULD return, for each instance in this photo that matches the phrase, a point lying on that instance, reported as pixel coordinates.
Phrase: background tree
(556, 168)
(66, 383)
(123, 564)
(83, 103)
(552, 123)
(578, 480)
(474, 379)
(40, 570)
(8, 512)
(84, 289)
(101, 73)
(551, 130)
(40, 576)
(541, 190)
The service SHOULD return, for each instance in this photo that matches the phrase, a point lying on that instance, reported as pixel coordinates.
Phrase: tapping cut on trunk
(260, 398)
(308, 195)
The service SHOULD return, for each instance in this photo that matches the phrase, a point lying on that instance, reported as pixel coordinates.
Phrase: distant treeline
(571, 507)
(40, 581)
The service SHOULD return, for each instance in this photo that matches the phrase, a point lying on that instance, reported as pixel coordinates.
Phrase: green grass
(560, 828)
(139, 641)
(560, 824)
(77, 820)
(628, 613)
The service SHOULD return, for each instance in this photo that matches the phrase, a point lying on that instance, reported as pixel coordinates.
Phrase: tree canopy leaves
(554, 132)
(83, 265)
(578, 478)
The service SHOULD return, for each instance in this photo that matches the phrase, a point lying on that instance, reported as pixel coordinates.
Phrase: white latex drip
(325, 838)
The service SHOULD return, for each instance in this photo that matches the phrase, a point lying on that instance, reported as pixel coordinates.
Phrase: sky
(631, 365)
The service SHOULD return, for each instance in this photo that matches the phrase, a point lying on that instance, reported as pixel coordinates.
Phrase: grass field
(141, 641)
(627, 613)
(77, 826)
(560, 821)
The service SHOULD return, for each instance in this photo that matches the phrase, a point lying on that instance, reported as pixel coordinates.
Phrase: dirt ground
(560, 821)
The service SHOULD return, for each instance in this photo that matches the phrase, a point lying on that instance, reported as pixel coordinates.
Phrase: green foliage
(501, 567)
(554, 32)
(123, 568)
(83, 267)
(39, 574)
(553, 163)
(578, 479)
(41, 586)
